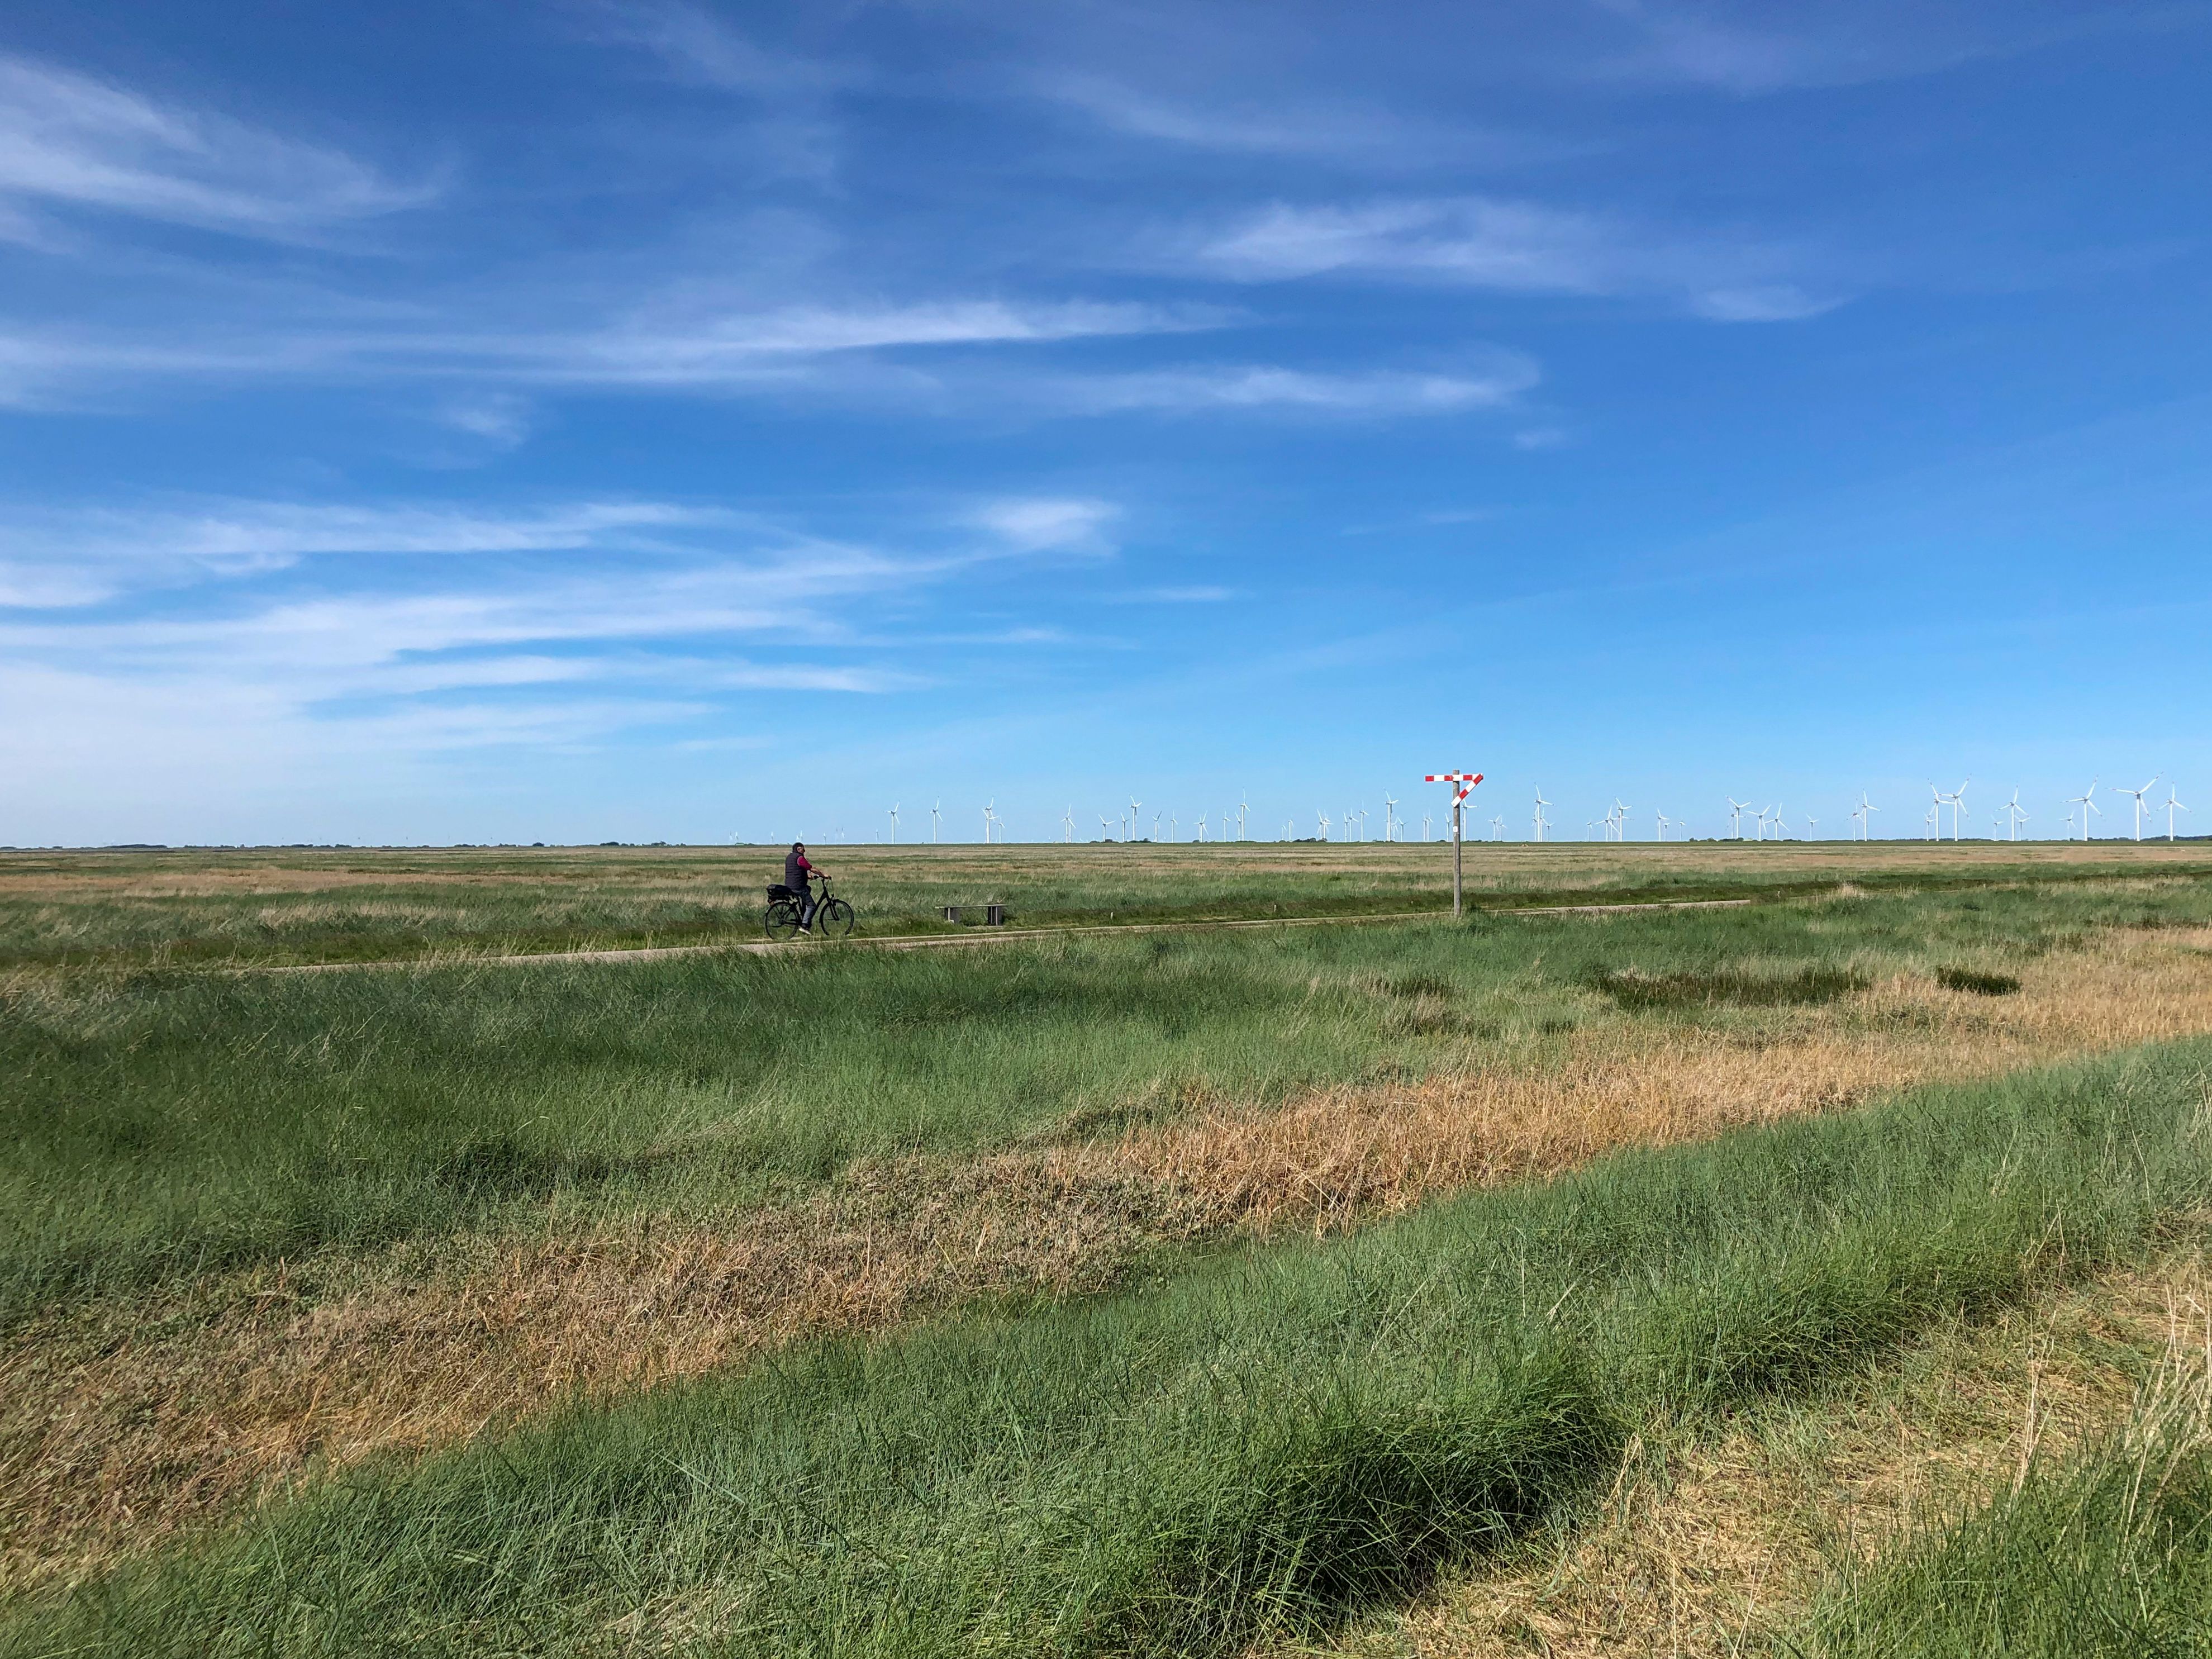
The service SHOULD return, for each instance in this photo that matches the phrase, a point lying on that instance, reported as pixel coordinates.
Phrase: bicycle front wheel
(834, 920)
(782, 920)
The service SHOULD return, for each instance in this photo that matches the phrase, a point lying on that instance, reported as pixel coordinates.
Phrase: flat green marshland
(1176, 1292)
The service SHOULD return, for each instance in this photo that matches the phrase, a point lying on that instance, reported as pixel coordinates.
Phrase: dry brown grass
(1705, 1545)
(127, 1422)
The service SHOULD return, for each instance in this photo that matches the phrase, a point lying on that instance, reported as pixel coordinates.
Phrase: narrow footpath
(932, 941)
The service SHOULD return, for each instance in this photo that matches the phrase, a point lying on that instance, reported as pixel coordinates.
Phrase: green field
(1179, 1434)
(145, 908)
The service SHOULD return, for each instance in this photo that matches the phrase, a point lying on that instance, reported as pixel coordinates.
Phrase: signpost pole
(1463, 785)
(1456, 845)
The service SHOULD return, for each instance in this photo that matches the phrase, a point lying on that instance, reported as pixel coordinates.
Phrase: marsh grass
(259, 1226)
(1811, 1519)
(126, 1418)
(2104, 1552)
(1255, 1448)
(217, 907)
(165, 1125)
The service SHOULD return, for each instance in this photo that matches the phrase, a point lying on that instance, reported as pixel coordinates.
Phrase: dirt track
(928, 941)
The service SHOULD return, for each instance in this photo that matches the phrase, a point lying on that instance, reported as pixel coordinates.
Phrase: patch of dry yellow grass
(128, 1422)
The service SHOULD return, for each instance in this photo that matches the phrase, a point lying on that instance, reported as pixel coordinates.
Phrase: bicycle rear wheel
(782, 920)
(834, 920)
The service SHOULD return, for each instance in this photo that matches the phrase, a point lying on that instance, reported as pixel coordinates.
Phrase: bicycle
(833, 917)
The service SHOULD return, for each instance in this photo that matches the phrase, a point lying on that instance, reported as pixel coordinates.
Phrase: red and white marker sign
(1467, 780)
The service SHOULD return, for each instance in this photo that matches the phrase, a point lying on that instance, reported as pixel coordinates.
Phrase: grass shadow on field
(1635, 988)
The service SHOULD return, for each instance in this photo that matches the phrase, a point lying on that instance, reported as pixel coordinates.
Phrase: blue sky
(493, 421)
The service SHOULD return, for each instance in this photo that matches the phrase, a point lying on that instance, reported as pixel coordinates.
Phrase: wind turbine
(1428, 821)
(1243, 806)
(1389, 817)
(2172, 807)
(1497, 827)
(1363, 823)
(1736, 816)
(1660, 823)
(1541, 823)
(2139, 794)
(1860, 812)
(989, 818)
(1934, 817)
(1323, 818)
(1133, 817)
(1957, 807)
(2013, 811)
(2088, 806)
(1811, 824)
(894, 823)
(935, 814)
(1105, 828)
(1759, 828)
(1619, 819)
(1068, 818)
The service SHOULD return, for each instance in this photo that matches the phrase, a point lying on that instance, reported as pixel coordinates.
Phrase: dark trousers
(806, 905)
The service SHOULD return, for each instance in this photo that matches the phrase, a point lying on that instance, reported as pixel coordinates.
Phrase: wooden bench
(994, 915)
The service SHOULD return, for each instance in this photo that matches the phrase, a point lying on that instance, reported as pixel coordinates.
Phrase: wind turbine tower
(2085, 801)
(2139, 794)
(894, 823)
(1736, 816)
(1542, 823)
(935, 814)
(2172, 807)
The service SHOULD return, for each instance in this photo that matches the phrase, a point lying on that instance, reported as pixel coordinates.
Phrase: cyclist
(798, 875)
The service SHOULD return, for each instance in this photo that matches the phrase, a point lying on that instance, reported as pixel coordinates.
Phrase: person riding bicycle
(798, 875)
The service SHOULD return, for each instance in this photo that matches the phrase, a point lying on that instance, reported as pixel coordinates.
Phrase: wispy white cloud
(1512, 247)
(1200, 595)
(1045, 524)
(792, 132)
(668, 346)
(1261, 125)
(1257, 387)
(500, 419)
(705, 348)
(67, 140)
(544, 624)
(84, 555)
(1746, 49)
(697, 45)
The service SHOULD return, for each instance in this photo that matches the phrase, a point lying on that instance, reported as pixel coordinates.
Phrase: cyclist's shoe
(804, 932)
